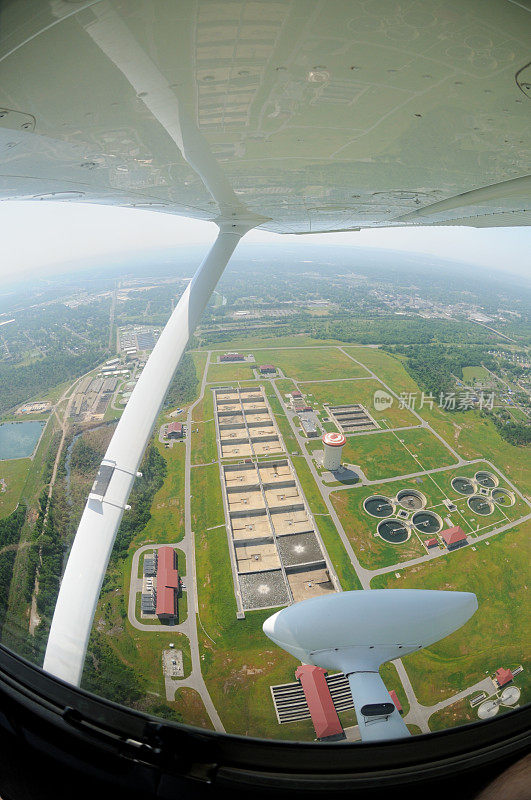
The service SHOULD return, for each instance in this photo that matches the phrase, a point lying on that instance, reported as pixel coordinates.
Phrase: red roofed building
(322, 710)
(267, 369)
(396, 701)
(454, 537)
(296, 393)
(232, 357)
(433, 542)
(503, 676)
(174, 430)
(167, 584)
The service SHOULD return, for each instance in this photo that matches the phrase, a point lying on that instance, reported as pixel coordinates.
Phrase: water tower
(333, 446)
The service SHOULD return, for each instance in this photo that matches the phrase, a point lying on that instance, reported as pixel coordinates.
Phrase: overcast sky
(39, 236)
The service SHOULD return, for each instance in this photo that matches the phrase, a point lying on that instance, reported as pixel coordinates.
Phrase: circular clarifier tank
(510, 695)
(378, 506)
(463, 485)
(393, 531)
(486, 479)
(427, 522)
(488, 709)
(502, 497)
(481, 505)
(411, 499)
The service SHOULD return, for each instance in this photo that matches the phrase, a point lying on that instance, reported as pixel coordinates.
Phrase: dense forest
(385, 329)
(29, 381)
(516, 433)
(153, 470)
(10, 529)
(399, 330)
(183, 387)
(432, 366)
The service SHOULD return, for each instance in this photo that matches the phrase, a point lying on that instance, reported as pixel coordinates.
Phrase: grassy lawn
(387, 367)
(428, 450)
(189, 705)
(345, 392)
(471, 374)
(284, 385)
(338, 555)
(497, 633)
(392, 681)
(13, 473)
(382, 455)
(199, 360)
(308, 364)
(459, 713)
(204, 448)
(220, 373)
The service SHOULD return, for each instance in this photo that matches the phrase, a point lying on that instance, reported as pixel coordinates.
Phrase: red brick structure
(396, 701)
(454, 537)
(322, 710)
(167, 584)
(174, 430)
(503, 676)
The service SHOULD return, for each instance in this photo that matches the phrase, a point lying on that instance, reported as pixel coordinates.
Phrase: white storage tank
(333, 446)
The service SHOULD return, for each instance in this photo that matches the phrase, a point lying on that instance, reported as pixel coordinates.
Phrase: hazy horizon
(54, 237)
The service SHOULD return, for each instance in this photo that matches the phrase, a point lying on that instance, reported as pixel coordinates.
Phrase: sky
(37, 237)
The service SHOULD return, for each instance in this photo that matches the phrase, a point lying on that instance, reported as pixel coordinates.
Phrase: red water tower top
(334, 439)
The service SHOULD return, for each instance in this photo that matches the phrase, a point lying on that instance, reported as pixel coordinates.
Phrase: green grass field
(471, 374)
(307, 364)
(345, 392)
(221, 373)
(497, 634)
(383, 455)
(204, 448)
(13, 474)
(189, 705)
